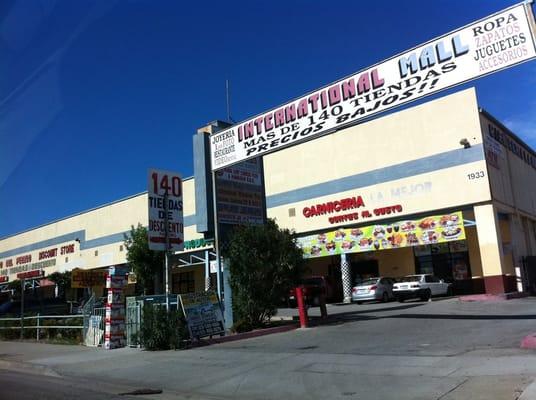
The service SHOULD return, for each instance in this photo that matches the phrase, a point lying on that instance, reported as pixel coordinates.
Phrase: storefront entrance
(364, 269)
(447, 261)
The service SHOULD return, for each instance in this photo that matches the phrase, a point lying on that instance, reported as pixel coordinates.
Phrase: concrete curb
(28, 368)
(529, 342)
(494, 297)
(529, 393)
(247, 335)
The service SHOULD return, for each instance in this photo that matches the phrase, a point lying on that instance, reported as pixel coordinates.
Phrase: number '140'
(170, 186)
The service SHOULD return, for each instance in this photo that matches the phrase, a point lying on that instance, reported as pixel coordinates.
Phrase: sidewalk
(236, 373)
(440, 350)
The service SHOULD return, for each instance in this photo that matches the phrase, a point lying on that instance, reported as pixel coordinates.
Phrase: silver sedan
(380, 289)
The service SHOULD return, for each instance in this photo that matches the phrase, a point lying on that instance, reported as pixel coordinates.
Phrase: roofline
(512, 134)
(82, 212)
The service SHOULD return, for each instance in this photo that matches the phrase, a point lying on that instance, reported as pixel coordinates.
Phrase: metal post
(22, 309)
(38, 325)
(138, 316)
(166, 252)
(228, 297)
(218, 280)
(207, 270)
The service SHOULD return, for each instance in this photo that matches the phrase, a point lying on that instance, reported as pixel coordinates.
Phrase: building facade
(439, 188)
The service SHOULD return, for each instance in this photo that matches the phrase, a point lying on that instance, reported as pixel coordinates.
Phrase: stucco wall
(412, 158)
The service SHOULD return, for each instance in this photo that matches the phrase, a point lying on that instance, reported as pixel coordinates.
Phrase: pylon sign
(166, 224)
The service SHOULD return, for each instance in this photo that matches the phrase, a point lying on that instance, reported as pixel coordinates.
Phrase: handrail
(44, 327)
(44, 316)
(38, 326)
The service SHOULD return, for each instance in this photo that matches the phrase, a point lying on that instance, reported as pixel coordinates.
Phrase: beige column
(490, 243)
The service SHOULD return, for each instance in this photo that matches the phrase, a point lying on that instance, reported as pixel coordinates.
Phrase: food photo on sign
(425, 231)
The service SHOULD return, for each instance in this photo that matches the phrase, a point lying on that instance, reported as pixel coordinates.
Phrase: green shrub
(264, 263)
(242, 326)
(162, 330)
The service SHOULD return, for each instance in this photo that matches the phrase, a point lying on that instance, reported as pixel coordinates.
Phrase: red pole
(304, 319)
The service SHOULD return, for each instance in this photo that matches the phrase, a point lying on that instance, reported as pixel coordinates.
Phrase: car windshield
(411, 278)
(367, 282)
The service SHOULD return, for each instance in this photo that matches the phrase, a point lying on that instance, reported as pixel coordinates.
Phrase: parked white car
(422, 286)
(373, 289)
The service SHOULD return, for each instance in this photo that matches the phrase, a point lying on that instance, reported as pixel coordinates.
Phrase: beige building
(429, 161)
(439, 188)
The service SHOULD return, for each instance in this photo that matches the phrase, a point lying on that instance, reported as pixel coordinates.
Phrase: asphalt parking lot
(445, 326)
(442, 350)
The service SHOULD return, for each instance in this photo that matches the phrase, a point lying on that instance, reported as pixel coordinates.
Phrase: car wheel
(385, 297)
(359, 302)
(401, 299)
(450, 291)
(427, 295)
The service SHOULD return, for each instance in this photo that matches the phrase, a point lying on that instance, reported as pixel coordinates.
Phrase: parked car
(422, 286)
(313, 288)
(380, 289)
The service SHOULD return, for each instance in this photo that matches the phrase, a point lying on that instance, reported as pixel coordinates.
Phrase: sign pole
(165, 207)
(216, 236)
(166, 251)
(22, 284)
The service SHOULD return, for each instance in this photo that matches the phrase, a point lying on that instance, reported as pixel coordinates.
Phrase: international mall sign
(491, 44)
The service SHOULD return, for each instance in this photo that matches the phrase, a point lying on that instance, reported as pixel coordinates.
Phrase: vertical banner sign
(491, 44)
(114, 323)
(165, 204)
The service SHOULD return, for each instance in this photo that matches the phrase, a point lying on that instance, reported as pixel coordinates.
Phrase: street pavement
(444, 349)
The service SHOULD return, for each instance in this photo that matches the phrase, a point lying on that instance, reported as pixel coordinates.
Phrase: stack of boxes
(114, 329)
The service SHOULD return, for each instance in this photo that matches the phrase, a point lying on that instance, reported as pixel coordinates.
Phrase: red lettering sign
(50, 253)
(24, 259)
(38, 273)
(67, 249)
(4, 279)
(333, 206)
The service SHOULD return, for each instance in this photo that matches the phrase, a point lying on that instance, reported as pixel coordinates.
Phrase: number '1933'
(475, 175)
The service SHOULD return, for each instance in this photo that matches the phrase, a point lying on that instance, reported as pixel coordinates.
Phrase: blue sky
(93, 93)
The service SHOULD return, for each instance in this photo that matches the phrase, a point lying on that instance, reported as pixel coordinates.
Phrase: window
(66, 259)
(121, 247)
(96, 253)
